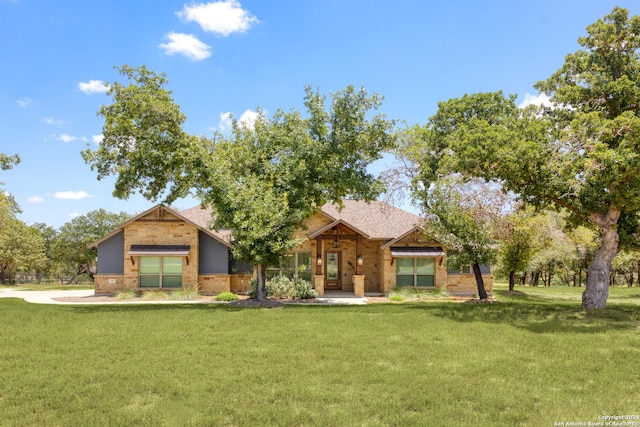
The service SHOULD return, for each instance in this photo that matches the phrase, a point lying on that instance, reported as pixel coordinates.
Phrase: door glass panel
(332, 266)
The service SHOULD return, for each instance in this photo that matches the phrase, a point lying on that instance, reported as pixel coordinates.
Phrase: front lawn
(525, 360)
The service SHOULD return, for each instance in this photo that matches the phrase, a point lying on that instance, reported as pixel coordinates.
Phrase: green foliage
(579, 154)
(281, 287)
(185, 294)
(156, 296)
(226, 296)
(262, 181)
(407, 293)
(70, 246)
(126, 294)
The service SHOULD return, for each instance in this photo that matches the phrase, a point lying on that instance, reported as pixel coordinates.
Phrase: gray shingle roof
(379, 220)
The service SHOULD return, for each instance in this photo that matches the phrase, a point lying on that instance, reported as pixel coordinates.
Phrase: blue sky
(232, 57)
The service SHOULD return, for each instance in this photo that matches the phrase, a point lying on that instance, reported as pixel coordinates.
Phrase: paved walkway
(47, 297)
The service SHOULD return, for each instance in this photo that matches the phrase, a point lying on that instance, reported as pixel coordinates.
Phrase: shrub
(281, 287)
(402, 293)
(126, 294)
(155, 296)
(396, 298)
(185, 294)
(226, 296)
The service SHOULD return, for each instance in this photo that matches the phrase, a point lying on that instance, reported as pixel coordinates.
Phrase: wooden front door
(332, 271)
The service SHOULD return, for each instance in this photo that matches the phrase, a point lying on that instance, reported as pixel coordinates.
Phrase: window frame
(414, 275)
(160, 274)
(295, 270)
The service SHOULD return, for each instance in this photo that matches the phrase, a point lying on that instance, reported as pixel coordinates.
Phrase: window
(293, 263)
(160, 272)
(415, 272)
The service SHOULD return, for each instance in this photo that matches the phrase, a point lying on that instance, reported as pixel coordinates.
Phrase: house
(361, 248)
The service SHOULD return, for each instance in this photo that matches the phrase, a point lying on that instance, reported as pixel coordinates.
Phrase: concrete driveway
(47, 297)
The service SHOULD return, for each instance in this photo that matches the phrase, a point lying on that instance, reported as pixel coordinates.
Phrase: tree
(516, 246)
(579, 155)
(263, 181)
(463, 218)
(7, 162)
(70, 246)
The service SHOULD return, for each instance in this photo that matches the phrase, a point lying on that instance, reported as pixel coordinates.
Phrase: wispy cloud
(35, 199)
(74, 215)
(66, 138)
(53, 122)
(72, 195)
(24, 102)
(93, 86)
(220, 17)
(97, 139)
(539, 99)
(187, 45)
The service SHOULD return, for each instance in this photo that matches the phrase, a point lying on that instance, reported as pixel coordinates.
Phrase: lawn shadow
(540, 316)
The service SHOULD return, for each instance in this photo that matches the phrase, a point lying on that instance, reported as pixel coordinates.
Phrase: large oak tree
(581, 154)
(262, 181)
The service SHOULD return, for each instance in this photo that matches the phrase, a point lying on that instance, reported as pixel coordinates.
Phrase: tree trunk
(261, 290)
(482, 293)
(597, 289)
(512, 279)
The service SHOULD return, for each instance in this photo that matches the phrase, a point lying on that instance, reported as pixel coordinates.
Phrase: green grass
(47, 286)
(526, 360)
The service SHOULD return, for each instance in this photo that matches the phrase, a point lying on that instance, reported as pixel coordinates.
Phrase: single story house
(361, 248)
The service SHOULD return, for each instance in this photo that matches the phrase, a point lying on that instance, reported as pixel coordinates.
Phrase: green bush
(155, 296)
(226, 296)
(185, 294)
(281, 287)
(126, 294)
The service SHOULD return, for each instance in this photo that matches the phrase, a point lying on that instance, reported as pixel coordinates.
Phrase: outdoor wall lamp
(360, 260)
(319, 259)
(335, 244)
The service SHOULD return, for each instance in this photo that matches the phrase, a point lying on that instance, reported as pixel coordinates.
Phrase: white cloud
(248, 119)
(53, 122)
(220, 17)
(24, 102)
(74, 214)
(540, 99)
(72, 195)
(93, 86)
(35, 199)
(187, 45)
(66, 138)
(97, 138)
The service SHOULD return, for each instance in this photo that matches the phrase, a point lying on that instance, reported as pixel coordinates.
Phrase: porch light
(319, 259)
(335, 244)
(360, 261)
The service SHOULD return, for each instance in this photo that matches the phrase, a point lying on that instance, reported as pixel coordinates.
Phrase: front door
(332, 271)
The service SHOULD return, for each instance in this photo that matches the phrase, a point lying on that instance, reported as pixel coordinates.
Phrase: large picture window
(160, 272)
(415, 272)
(291, 264)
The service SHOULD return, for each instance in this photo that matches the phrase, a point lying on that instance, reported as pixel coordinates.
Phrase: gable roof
(377, 220)
(121, 227)
(203, 218)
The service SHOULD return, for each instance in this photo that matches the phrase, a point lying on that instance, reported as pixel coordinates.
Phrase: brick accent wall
(213, 284)
(102, 283)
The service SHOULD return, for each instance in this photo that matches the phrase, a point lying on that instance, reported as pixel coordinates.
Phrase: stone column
(318, 284)
(358, 285)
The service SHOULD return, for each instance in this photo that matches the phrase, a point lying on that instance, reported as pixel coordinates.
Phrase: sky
(232, 57)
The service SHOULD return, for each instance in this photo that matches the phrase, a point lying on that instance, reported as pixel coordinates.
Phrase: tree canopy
(262, 181)
(579, 154)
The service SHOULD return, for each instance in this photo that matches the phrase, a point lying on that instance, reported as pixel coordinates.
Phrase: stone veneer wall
(102, 286)
(161, 229)
(466, 284)
(388, 270)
